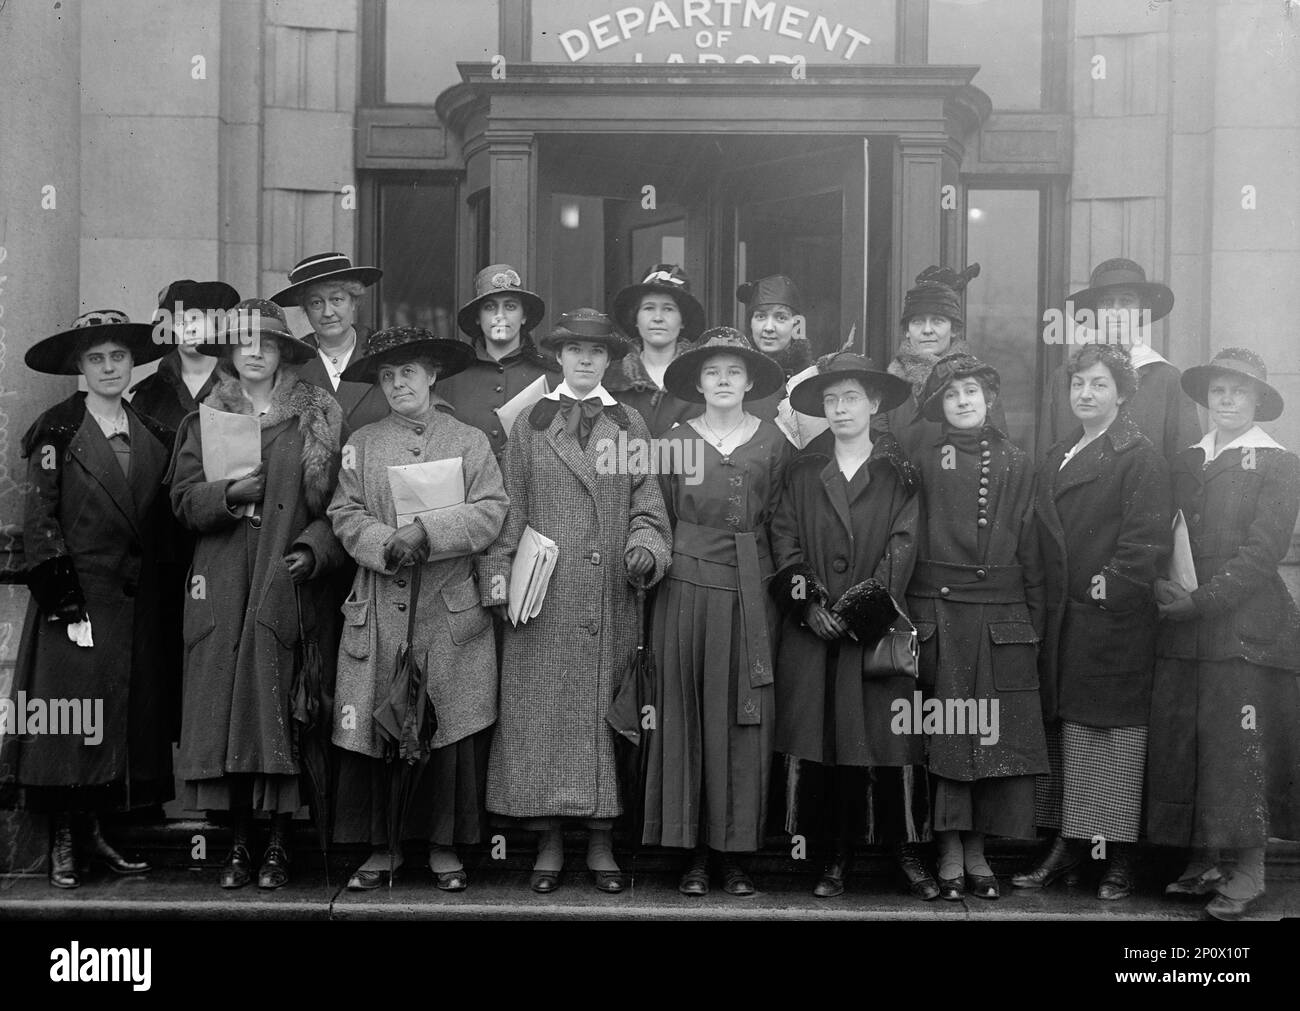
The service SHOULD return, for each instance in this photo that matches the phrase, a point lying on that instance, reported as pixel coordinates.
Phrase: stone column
(512, 174)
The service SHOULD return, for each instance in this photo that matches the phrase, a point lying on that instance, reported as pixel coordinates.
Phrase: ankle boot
(101, 850)
(63, 854)
(275, 861)
(1117, 882)
(237, 871)
(1062, 860)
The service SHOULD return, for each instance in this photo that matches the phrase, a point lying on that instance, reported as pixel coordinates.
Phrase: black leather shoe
(695, 879)
(237, 871)
(1223, 907)
(451, 881)
(63, 854)
(831, 883)
(544, 882)
(920, 882)
(952, 889)
(1118, 881)
(1198, 884)
(366, 881)
(102, 851)
(274, 872)
(735, 881)
(1062, 860)
(612, 882)
(982, 886)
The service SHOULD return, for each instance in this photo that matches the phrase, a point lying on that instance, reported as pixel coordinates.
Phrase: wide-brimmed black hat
(57, 355)
(1117, 274)
(948, 368)
(259, 319)
(319, 269)
(492, 282)
(587, 324)
(776, 289)
(403, 343)
(938, 293)
(1238, 362)
(665, 279)
(807, 396)
(682, 376)
(185, 296)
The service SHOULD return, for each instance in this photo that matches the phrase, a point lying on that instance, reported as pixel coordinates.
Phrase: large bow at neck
(580, 416)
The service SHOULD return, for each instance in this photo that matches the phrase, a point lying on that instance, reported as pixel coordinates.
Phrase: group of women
(1129, 700)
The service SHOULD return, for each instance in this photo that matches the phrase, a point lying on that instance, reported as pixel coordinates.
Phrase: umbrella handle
(415, 597)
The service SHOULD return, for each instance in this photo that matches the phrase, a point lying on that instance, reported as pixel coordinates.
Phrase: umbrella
(406, 722)
(627, 716)
(311, 709)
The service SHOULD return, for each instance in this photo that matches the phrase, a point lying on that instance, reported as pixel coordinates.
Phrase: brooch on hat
(506, 279)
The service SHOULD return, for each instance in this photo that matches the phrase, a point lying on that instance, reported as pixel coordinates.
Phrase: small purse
(895, 654)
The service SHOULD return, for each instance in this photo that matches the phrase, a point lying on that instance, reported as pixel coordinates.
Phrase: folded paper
(232, 447)
(520, 402)
(530, 575)
(422, 490)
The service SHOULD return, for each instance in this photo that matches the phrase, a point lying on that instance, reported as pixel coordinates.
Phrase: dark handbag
(895, 654)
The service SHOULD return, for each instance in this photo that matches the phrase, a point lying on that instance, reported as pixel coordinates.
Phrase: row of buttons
(985, 456)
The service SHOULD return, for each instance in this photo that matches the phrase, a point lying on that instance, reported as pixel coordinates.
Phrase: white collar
(112, 426)
(599, 391)
(1254, 437)
(335, 372)
(1143, 354)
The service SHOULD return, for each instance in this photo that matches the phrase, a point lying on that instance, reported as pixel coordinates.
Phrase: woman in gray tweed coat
(553, 752)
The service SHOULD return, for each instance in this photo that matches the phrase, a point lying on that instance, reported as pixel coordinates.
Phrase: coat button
(500, 388)
(984, 470)
(840, 565)
(401, 582)
(1196, 517)
(415, 452)
(593, 627)
(983, 501)
(981, 574)
(401, 607)
(595, 558)
(419, 429)
(944, 591)
(982, 522)
(501, 368)
(984, 443)
(495, 433)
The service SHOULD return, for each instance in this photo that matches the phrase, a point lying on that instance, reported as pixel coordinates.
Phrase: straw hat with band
(404, 343)
(587, 324)
(1237, 362)
(58, 355)
(776, 289)
(682, 376)
(664, 279)
(322, 269)
(1119, 274)
(261, 319)
(948, 368)
(807, 396)
(493, 282)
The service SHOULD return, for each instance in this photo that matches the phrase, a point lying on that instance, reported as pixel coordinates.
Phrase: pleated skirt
(447, 808)
(709, 776)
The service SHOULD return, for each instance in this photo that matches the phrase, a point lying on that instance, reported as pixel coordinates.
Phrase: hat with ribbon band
(58, 355)
(321, 269)
(661, 279)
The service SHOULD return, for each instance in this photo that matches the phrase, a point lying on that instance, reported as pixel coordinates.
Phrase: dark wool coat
(1160, 409)
(488, 384)
(362, 403)
(1240, 512)
(453, 630)
(1103, 529)
(164, 396)
(836, 534)
(553, 751)
(976, 599)
(630, 384)
(113, 530)
(241, 623)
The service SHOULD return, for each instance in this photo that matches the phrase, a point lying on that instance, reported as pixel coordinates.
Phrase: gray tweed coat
(552, 751)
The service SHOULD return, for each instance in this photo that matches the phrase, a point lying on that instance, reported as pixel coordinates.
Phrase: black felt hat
(319, 269)
(1119, 274)
(57, 355)
(492, 282)
(587, 324)
(664, 279)
(401, 344)
(832, 368)
(948, 368)
(938, 293)
(254, 320)
(776, 289)
(1238, 362)
(682, 376)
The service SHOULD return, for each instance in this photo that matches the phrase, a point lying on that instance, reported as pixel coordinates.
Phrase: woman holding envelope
(553, 751)
(1224, 773)
(255, 587)
(714, 624)
(94, 529)
(419, 496)
(849, 513)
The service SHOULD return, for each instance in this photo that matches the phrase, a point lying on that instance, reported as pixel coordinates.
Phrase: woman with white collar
(553, 750)
(1224, 770)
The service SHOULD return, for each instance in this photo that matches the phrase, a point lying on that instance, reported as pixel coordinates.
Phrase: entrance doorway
(729, 209)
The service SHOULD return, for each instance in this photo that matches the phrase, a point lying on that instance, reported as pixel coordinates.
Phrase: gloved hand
(301, 560)
(640, 562)
(1166, 591)
(247, 489)
(1182, 609)
(410, 544)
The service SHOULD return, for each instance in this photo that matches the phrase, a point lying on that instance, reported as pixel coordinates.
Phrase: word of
(919, 715)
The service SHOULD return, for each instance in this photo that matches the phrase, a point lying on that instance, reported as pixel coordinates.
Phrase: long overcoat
(79, 507)
(976, 599)
(488, 384)
(452, 629)
(829, 534)
(1103, 528)
(553, 751)
(241, 617)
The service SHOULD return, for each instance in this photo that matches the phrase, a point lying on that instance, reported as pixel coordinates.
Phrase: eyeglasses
(849, 400)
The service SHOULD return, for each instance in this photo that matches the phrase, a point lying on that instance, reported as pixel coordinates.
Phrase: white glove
(79, 632)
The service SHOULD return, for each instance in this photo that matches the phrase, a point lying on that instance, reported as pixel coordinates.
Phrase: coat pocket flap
(461, 596)
(925, 629)
(1003, 632)
(355, 612)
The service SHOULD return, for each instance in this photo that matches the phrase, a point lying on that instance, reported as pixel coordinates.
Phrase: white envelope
(519, 403)
(1182, 567)
(421, 489)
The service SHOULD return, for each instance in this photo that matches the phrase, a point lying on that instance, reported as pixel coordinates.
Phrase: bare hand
(1166, 591)
(824, 624)
(300, 561)
(1182, 609)
(640, 562)
(247, 489)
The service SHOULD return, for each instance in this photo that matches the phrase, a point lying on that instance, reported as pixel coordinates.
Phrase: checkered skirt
(1095, 784)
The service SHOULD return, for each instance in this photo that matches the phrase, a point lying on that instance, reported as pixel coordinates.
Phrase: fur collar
(915, 366)
(320, 422)
(796, 357)
(59, 424)
(632, 375)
